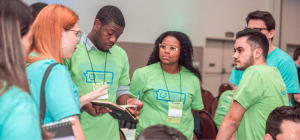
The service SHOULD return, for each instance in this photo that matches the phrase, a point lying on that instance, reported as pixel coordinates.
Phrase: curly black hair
(186, 51)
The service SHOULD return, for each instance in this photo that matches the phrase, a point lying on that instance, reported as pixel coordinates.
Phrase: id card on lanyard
(175, 112)
(175, 108)
(103, 98)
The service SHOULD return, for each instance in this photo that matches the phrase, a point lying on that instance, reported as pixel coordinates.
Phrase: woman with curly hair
(169, 85)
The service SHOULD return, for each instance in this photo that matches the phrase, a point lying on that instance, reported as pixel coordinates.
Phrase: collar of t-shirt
(89, 44)
(272, 53)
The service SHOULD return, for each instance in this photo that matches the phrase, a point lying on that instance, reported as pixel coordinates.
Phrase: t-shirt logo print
(163, 95)
(98, 76)
(283, 93)
(119, 114)
(282, 84)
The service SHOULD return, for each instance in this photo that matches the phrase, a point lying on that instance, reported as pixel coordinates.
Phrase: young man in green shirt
(264, 22)
(97, 62)
(260, 90)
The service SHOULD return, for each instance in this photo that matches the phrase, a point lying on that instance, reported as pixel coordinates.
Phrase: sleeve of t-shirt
(60, 97)
(124, 79)
(288, 71)
(236, 76)
(250, 88)
(122, 89)
(24, 120)
(197, 103)
(136, 85)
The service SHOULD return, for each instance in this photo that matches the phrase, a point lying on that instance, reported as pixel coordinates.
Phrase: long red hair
(47, 32)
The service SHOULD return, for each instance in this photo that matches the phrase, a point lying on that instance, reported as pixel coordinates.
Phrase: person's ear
(268, 137)
(257, 53)
(97, 24)
(271, 33)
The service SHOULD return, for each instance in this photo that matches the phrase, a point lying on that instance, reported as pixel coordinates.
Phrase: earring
(63, 44)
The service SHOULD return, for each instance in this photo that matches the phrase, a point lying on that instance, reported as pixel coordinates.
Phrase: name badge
(175, 112)
(103, 98)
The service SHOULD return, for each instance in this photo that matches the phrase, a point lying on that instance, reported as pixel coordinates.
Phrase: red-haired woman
(55, 33)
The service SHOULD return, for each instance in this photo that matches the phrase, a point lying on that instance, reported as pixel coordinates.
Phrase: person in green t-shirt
(223, 106)
(260, 91)
(96, 62)
(169, 85)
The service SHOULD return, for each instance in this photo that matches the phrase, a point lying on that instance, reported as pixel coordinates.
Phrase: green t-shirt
(260, 91)
(116, 73)
(223, 106)
(150, 82)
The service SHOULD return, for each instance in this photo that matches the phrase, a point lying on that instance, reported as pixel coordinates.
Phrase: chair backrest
(209, 127)
(122, 136)
(213, 106)
(224, 87)
(206, 97)
(195, 137)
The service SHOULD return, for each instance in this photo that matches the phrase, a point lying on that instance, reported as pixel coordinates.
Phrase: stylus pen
(137, 99)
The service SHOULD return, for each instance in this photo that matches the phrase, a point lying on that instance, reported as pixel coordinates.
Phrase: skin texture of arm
(77, 130)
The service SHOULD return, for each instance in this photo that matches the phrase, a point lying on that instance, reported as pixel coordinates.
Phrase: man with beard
(259, 85)
(264, 22)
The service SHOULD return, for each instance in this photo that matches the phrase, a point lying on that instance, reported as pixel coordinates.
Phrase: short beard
(97, 42)
(248, 63)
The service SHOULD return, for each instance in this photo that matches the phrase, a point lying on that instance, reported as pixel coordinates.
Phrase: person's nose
(235, 55)
(113, 39)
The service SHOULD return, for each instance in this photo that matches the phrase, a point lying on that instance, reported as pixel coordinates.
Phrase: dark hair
(161, 132)
(262, 15)
(275, 118)
(109, 14)
(36, 8)
(186, 51)
(296, 54)
(256, 39)
(294, 102)
(15, 22)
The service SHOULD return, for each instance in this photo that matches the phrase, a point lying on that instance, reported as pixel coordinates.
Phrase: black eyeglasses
(78, 33)
(258, 29)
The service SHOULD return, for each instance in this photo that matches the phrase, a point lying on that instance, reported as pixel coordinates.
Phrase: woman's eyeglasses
(78, 33)
(165, 47)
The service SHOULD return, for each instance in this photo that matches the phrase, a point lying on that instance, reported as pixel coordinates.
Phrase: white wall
(147, 19)
(290, 23)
